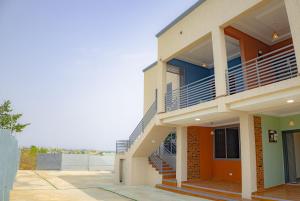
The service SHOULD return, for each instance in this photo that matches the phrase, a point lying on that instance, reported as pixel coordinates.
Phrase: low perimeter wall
(84, 162)
(9, 163)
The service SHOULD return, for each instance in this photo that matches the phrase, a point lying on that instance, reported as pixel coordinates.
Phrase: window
(227, 143)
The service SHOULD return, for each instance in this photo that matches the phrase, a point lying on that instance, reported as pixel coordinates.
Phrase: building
(227, 82)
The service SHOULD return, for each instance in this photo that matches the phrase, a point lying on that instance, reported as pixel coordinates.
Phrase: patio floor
(283, 192)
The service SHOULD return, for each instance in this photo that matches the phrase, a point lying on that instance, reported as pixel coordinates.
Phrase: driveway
(62, 186)
(83, 186)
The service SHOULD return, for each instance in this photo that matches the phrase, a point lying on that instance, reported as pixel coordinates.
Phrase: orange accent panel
(206, 153)
(249, 46)
(223, 168)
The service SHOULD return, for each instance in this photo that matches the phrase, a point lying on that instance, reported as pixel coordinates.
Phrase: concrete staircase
(167, 172)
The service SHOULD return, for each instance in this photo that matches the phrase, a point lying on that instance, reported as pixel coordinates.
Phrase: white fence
(75, 162)
(9, 161)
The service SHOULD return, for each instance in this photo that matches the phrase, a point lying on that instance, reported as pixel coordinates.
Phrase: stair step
(230, 194)
(169, 182)
(167, 172)
(266, 198)
(205, 195)
(170, 176)
(167, 168)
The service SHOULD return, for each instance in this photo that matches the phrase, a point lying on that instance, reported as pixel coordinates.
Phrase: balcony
(269, 68)
(194, 93)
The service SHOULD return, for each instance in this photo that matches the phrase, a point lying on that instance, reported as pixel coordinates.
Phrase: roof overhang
(180, 17)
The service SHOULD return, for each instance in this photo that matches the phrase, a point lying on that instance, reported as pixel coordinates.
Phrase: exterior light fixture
(204, 65)
(290, 101)
(275, 35)
(197, 119)
(291, 123)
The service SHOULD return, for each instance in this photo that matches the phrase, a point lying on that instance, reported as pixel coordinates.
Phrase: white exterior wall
(150, 85)
(137, 171)
(248, 155)
(181, 155)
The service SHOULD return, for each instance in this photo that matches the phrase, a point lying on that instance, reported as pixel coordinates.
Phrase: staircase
(164, 161)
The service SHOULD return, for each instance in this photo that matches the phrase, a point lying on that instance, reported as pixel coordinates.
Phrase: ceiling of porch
(263, 21)
(202, 54)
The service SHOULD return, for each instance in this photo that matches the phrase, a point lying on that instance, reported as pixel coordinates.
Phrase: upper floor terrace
(212, 63)
(257, 47)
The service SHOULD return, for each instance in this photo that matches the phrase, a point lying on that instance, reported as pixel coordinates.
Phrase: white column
(248, 159)
(220, 60)
(181, 155)
(293, 12)
(161, 86)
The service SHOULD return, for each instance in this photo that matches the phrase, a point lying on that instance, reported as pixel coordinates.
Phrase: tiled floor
(220, 185)
(284, 192)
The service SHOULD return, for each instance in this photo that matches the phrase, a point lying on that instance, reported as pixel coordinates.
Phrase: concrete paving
(83, 186)
(62, 186)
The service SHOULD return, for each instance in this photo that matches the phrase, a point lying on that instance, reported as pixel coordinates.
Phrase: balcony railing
(269, 68)
(192, 94)
(124, 145)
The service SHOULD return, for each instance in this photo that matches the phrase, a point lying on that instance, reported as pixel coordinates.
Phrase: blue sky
(74, 67)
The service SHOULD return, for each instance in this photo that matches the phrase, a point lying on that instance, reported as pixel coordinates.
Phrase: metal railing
(269, 68)
(194, 93)
(165, 153)
(156, 162)
(168, 154)
(124, 145)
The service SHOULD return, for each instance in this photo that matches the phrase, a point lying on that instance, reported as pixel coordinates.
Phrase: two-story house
(226, 86)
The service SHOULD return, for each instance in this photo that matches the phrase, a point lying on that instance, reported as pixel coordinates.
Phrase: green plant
(8, 120)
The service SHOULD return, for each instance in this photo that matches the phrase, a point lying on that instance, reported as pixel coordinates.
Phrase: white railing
(269, 68)
(194, 93)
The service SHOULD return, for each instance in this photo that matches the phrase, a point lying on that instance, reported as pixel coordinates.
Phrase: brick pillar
(259, 154)
(193, 153)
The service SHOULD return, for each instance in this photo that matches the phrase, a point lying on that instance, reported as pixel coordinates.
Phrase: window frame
(214, 144)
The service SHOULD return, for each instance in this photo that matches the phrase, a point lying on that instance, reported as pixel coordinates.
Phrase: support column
(181, 155)
(220, 61)
(161, 86)
(248, 155)
(293, 12)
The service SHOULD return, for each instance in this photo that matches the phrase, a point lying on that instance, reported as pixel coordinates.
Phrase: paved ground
(83, 186)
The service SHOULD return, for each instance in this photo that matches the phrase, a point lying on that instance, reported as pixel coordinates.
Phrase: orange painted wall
(249, 46)
(209, 167)
(223, 168)
(206, 153)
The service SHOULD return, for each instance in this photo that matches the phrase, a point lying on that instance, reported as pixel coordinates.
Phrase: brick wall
(259, 154)
(193, 155)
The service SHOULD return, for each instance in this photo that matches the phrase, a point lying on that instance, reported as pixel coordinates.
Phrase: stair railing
(165, 153)
(122, 146)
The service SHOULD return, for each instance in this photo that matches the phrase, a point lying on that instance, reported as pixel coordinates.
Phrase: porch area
(283, 192)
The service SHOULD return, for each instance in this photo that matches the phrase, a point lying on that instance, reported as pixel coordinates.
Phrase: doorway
(121, 171)
(291, 149)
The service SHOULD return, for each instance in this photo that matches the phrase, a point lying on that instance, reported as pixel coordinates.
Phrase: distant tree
(43, 150)
(33, 149)
(8, 120)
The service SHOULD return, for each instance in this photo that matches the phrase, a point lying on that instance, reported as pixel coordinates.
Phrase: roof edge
(150, 66)
(180, 17)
